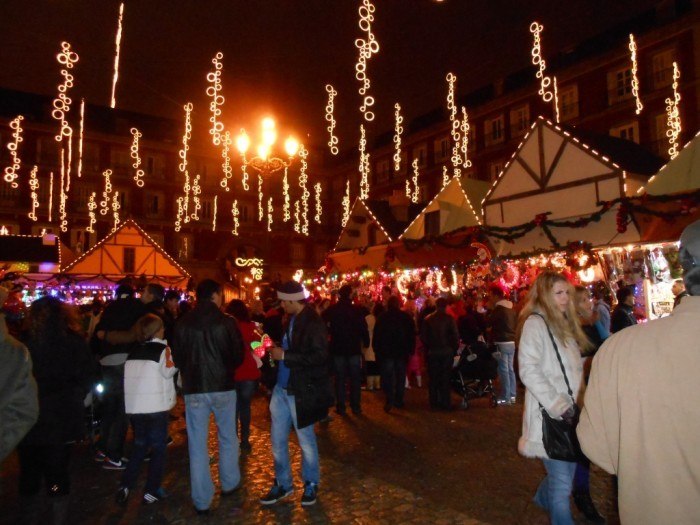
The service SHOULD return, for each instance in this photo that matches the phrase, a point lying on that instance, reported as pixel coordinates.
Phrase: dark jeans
(439, 370)
(150, 433)
(48, 463)
(348, 366)
(393, 380)
(114, 421)
(244, 394)
(582, 476)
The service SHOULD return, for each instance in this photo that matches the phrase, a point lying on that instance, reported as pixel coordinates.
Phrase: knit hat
(689, 256)
(292, 291)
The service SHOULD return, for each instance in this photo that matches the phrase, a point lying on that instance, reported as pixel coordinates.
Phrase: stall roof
(680, 174)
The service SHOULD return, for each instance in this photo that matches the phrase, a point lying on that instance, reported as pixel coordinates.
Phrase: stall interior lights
(364, 165)
(319, 206)
(367, 47)
(217, 100)
(34, 187)
(332, 138)
(61, 104)
(117, 47)
(106, 194)
(12, 171)
(213, 220)
(673, 114)
(635, 79)
(346, 203)
(115, 209)
(270, 209)
(139, 173)
(235, 213)
(398, 131)
(286, 207)
(92, 206)
(545, 90)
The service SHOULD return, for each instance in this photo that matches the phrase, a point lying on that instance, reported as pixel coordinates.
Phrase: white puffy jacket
(148, 380)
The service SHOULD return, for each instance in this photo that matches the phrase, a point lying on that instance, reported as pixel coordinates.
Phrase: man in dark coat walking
(441, 339)
(623, 315)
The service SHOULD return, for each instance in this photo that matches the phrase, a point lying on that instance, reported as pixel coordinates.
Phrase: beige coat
(641, 417)
(541, 374)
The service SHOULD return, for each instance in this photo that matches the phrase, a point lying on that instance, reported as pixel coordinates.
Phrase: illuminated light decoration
(50, 196)
(115, 209)
(62, 202)
(673, 115)
(398, 131)
(319, 207)
(455, 126)
(11, 172)
(180, 213)
(587, 275)
(439, 279)
(454, 288)
(106, 194)
(346, 203)
(298, 275)
(196, 202)
(445, 177)
(545, 82)
(213, 221)
(401, 283)
(270, 209)
(635, 79)
(92, 206)
(138, 176)
(242, 143)
(235, 213)
(408, 188)
(367, 47)
(464, 131)
(69, 161)
(186, 136)
(61, 104)
(364, 165)
(261, 211)
(415, 195)
(80, 137)
(285, 192)
(257, 273)
(4, 230)
(217, 100)
(332, 139)
(34, 187)
(117, 46)
(241, 262)
(514, 276)
(226, 162)
(297, 217)
(303, 180)
(556, 99)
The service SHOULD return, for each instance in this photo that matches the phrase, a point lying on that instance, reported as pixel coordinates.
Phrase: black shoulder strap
(556, 349)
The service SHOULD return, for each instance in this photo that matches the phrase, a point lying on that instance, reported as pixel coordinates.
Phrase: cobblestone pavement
(410, 466)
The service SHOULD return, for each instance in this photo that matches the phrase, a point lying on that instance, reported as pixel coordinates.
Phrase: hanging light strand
(269, 214)
(235, 213)
(464, 132)
(92, 206)
(297, 216)
(398, 131)
(454, 126)
(50, 211)
(62, 103)
(63, 217)
(367, 47)
(303, 181)
(346, 203)
(106, 193)
(332, 138)
(364, 165)
(217, 99)
(545, 90)
(139, 173)
(80, 137)
(415, 196)
(635, 79)
(196, 201)
(12, 171)
(261, 210)
(34, 187)
(319, 205)
(117, 48)
(555, 100)
(445, 177)
(673, 114)
(285, 191)
(226, 160)
(115, 209)
(187, 135)
(180, 213)
(213, 221)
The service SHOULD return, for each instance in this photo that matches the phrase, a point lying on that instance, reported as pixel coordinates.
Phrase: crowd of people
(145, 350)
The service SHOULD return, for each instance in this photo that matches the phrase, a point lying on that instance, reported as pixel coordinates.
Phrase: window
(244, 213)
(443, 149)
(629, 131)
(129, 265)
(121, 159)
(495, 169)
(383, 169)
(124, 201)
(207, 208)
(47, 151)
(420, 153)
(619, 85)
(80, 240)
(154, 165)
(8, 196)
(422, 192)
(432, 223)
(519, 120)
(472, 138)
(662, 68)
(80, 195)
(154, 204)
(568, 102)
(659, 146)
(493, 130)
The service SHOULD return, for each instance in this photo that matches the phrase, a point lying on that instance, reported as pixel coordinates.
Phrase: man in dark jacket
(207, 349)
(301, 396)
(349, 333)
(441, 339)
(393, 341)
(623, 315)
(503, 321)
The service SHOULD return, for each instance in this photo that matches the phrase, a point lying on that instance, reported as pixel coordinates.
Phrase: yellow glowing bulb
(263, 151)
(291, 146)
(242, 142)
(268, 123)
(269, 136)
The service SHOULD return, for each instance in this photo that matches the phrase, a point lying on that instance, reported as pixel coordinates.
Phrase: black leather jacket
(207, 348)
(439, 334)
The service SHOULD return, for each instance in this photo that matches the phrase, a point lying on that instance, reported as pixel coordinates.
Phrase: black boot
(584, 503)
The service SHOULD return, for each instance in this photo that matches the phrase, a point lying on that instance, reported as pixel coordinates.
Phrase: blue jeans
(197, 410)
(554, 491)
(150, 433)
(394, 379)
(284, 416)
(350, 365)
(244, 394)
(506, 372)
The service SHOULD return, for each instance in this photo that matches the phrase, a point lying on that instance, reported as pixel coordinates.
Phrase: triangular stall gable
(553, 172)
(363, 229)
(680, 175)
(454, 208)
(128, 250)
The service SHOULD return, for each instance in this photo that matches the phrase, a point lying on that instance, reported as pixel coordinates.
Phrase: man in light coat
(641, 416)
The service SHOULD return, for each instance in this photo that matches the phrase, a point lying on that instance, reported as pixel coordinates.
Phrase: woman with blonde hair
(550, 345)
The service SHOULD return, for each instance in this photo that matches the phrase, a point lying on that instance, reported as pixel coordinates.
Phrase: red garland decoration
(540, 218)
(622, 216)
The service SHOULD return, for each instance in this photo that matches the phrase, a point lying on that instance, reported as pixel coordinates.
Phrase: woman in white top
(550, 306)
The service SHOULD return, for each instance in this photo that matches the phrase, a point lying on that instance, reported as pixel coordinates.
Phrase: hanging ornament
(117, 47)
(364, 165)
(92, 206)
(261, 211)
(213, 222)
(285, 191)
(115, 209)
(217, 100)
(196, 192)
(12, 171)
(138, 175)
(34, 187)
(545, 90)
(415, 195)
(269, 214)
(346, 203)
(297, 217)
(186, 136)
(50, 197)
(673, 115)
(635, 80)
(398, 131)
(226, 162)
(332, 139)
(62, 103)
(106, 194)
(180, 213)
(303, 179)
(367, 47)
(235, 213)
(319, 208)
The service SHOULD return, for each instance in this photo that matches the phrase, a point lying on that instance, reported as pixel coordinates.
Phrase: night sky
(279, 54)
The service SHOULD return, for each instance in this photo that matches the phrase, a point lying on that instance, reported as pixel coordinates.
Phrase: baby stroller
(474, 372)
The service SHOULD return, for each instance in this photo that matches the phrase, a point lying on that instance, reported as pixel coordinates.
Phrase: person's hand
(277, 353)
(168, 358)
(570, 415)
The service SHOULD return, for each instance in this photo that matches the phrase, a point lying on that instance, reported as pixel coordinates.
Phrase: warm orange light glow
(635, 80)
(291, 146)
(242, 142)
(117, 45)
(34, 186)
(303, 180)
(138, 175)
(213, 222)
(398, 131)
(217, 100)
(263, 151)
(80, 137)
(333, 139)
(269, 137)
(545, 82)
(673, 114)
(268, 123)
(285, 192)
(11, 172)
(50, 196)
(346, 203)
(92, 206)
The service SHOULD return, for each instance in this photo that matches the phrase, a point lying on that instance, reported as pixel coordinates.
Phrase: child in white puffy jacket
(149, 394)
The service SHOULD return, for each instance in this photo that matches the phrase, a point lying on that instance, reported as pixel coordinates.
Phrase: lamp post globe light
(263, 162)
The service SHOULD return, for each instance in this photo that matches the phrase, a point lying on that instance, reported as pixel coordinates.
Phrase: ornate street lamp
(263, 162)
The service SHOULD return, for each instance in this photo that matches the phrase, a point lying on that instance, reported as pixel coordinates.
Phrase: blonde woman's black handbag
(559, 435)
